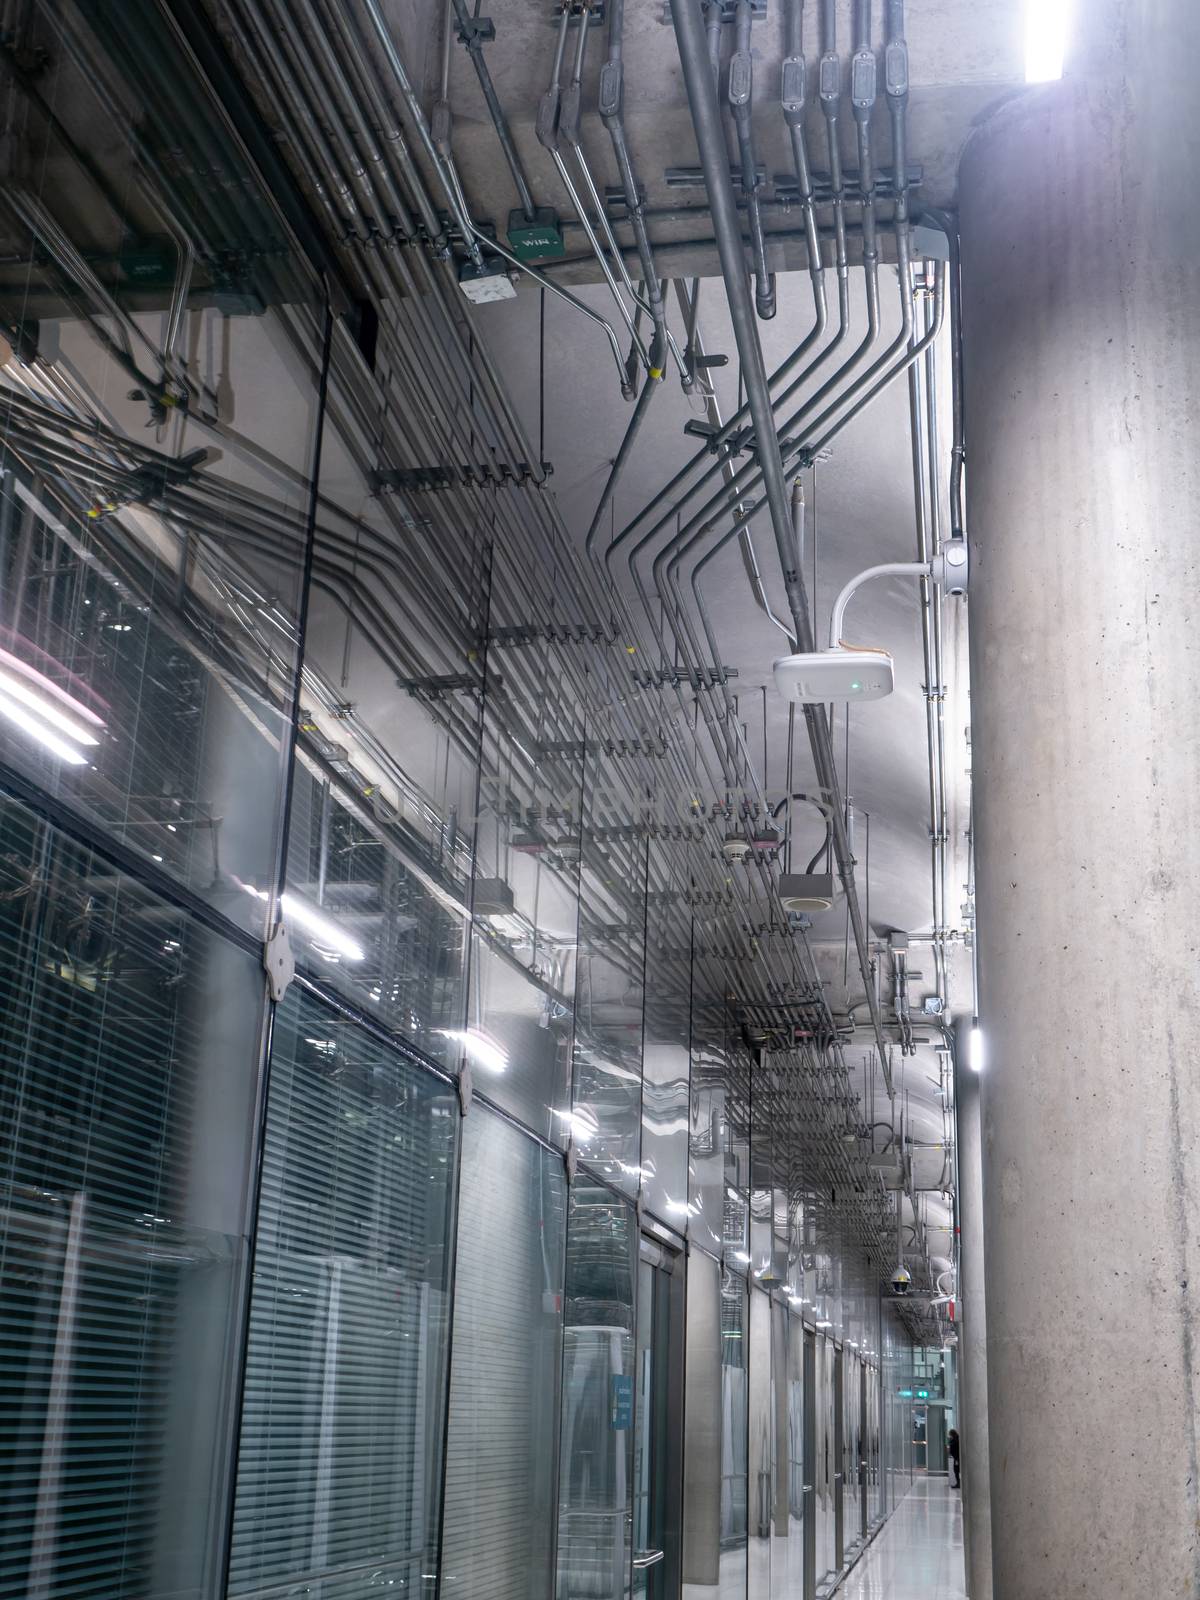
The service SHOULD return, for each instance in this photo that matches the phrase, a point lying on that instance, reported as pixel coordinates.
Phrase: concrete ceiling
(963, 60)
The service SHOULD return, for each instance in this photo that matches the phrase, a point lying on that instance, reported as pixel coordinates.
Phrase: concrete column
(1081, 278)
(972, 1333)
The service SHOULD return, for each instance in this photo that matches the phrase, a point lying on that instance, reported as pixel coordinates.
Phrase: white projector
(837, 674)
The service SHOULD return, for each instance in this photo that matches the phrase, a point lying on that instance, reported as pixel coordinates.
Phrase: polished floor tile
(919, 1554)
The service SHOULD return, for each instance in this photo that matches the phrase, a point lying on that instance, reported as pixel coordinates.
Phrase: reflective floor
(919, 1554)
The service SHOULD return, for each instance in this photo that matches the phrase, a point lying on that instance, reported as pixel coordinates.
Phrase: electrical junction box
(841, 674)
(484, 284)
(539, 240)
(887, 1166)
(806, 891)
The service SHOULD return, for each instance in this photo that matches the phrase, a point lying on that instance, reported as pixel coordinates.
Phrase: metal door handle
(647, 1558)
(807, 1489)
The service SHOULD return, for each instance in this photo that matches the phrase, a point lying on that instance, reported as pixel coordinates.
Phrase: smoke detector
(735, 847)
(849, 672)
(806, 892)
(837, 674)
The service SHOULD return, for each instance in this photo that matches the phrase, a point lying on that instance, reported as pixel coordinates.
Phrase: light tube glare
(326, 935)
(320, 929)
(47, 689)
(15, 688)
(21, 718)
(1046, 28)
(975, 1056)
(481, 1050)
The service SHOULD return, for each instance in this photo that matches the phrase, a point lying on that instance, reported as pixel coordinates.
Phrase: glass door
(658, 1418)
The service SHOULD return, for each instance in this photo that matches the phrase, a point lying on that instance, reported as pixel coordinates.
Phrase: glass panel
(159, 419)
(666, 1061)
(610, 985)
(526, 889)
(761, 1448)
(339, 1463)
(502, 1444)
(130, 1048)
(734, 1437)
(797, 1500)
(719, 1143)
(595, 1490)
(703, 1465)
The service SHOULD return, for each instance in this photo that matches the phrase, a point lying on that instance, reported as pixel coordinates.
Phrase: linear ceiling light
(1046, 27)
(17, 714)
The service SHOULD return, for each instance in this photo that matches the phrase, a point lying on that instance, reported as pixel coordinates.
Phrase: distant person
(952, 1450)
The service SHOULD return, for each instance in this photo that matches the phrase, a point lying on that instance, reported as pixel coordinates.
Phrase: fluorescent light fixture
(479, 1048)
(1046, 27)
(16, 687)
(23, 719)
(975, 1054)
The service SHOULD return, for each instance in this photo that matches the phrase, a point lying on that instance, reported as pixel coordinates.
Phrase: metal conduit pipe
(870, 337)
(421, 126)
(741, 92)
(612, 114)
(705, 118)
(793, 93)
(751, 476)
(414, 300)
(567, 126)
(469, 35)
(919, 508)
(393, 207)
(863, 90)
(646, 395)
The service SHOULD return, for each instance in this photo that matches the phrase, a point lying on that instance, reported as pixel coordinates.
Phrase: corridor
(919, 1554)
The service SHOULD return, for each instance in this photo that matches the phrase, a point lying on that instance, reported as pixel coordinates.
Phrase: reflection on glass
(734, 1421)
(158, 396)
(596, 1479)
(377, 901)
(129, 1066)
(666, 1061)
(610, 991)
(501, 1446)
(525, 895)
(338, 1466)
(761, 1447)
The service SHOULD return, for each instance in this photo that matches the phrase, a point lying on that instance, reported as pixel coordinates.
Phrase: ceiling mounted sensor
(856, 672)
(806, 891)
(835, 674)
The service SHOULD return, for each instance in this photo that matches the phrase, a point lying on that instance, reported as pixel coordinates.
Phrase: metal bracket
(279, 963)
(571, 1160)
(465, 1088)
(475, 31)
(446, 684)
(576, 9)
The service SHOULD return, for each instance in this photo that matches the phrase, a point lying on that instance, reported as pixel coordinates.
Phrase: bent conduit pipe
(741, 104)
(612, 114)
(690, 37)
(470, 38)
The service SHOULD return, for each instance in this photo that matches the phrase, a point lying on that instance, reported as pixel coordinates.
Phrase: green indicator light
(856, 685)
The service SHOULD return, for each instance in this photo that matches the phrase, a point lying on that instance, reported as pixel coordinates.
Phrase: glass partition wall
(452, 1240)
